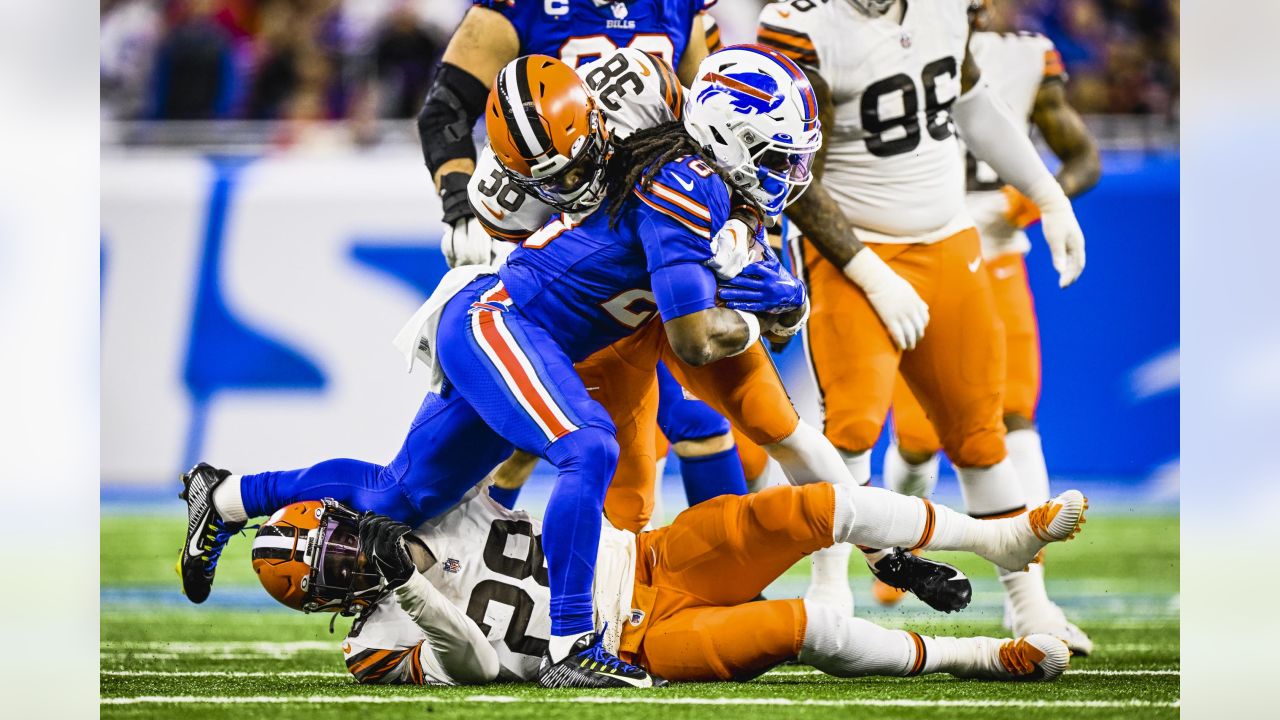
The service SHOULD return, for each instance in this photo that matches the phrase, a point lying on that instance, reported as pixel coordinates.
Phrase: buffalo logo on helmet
(750, 93)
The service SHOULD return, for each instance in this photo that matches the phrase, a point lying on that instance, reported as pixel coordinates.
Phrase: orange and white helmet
(307, 556)
(547, 132)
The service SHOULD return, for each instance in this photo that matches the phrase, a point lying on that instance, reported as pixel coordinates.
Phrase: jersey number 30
(895, 135)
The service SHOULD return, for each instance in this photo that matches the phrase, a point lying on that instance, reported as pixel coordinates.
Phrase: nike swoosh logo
(973, 266)
(643, 69)
(784, 13)
(683, 184)
(493, 212)
(1004, 273)
(346, 647)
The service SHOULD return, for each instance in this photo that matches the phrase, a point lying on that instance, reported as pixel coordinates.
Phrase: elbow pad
(454, 103)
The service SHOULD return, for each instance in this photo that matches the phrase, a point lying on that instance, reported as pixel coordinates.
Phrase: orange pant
(1014, 304)
(957, 371)
(745, 389)
(696, 580)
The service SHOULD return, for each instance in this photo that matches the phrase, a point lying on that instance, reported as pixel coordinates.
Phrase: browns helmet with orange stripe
(547, 132)
(307, 556)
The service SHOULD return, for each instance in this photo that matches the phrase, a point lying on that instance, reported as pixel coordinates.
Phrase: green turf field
(238, 657)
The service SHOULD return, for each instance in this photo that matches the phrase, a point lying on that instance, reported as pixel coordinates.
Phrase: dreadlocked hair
(638, 158)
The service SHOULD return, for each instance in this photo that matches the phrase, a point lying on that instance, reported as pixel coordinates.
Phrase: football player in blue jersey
(502, 343)
(577, 32)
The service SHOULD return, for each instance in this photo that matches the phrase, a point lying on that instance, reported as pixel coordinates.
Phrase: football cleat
(1025, 535)
(1052, 622)
(1040, 658)
(589, 665)
(207, 532)
(937, 584)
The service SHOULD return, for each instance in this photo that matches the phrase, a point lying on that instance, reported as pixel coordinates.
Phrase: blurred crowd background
(365, 60)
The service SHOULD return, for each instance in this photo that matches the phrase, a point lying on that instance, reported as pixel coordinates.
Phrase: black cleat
(207, 532)
(939, 585)
(589, 665)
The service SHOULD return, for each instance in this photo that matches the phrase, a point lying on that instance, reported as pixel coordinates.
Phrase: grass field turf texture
(240, 656)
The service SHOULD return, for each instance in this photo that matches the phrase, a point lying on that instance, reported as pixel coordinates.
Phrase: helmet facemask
(341, 579)
(773, 174)
(576, 184)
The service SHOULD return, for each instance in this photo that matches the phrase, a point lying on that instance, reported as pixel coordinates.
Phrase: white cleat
(1040, 658)
(1025, 535)
(1051, 622)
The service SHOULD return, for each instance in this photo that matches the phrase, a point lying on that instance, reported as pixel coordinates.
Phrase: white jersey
(490, 565)
(893, 161)
(634, 90)
(1015, 65)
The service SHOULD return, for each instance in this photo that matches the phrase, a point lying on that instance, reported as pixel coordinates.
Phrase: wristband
(866, 270)
(753, 330)
(1022, 211)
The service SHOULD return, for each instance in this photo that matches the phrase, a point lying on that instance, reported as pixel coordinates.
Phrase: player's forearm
(993, 137)
(455, 640)
(713, 334)
(1067, 136)
(824, 224)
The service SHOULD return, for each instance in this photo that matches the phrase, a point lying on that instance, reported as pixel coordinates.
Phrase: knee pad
(853, 434)
(588, 447)
(980, 448)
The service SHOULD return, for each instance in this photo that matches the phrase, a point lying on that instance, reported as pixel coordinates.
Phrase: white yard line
(338, 674)
(616, 700)
(205, 647)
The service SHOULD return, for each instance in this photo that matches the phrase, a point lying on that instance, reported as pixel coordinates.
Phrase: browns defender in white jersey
(1027, 73)
(896, 83)
(634, 90)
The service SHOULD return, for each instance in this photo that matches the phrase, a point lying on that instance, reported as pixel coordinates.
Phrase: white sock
(1027, 598)
(852, 647)
(858, 465)
(558, 646)
(806, 456)
(1027, 456)
(227, 500)
(878, 518)
(991, 491)
(902, 477)
(658, 518)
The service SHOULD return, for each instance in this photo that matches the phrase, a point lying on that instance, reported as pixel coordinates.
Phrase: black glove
(382, 541)
(453, 197)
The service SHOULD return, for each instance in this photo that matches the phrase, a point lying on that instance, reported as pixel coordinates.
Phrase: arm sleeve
(992, 136)
(683, 289)
(454, 641)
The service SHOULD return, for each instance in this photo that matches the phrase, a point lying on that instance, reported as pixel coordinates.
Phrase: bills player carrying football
(463, 598)
(1027, 73)
(576, 32)
(896, 81)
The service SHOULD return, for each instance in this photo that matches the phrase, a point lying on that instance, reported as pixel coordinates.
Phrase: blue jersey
(579, 31)
(589, 285)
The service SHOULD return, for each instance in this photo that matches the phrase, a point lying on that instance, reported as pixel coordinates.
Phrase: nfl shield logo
(452, 566)
(905, 39)
(619, 10)
(637, 617)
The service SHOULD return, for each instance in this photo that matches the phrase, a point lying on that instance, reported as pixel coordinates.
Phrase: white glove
(466, 243)
(1061, 230)
(900, 308)
(732, 249)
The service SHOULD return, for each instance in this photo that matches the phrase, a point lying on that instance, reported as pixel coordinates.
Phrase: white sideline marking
(336, 674)
(616, 700)
(204, 647)
(784, 673)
